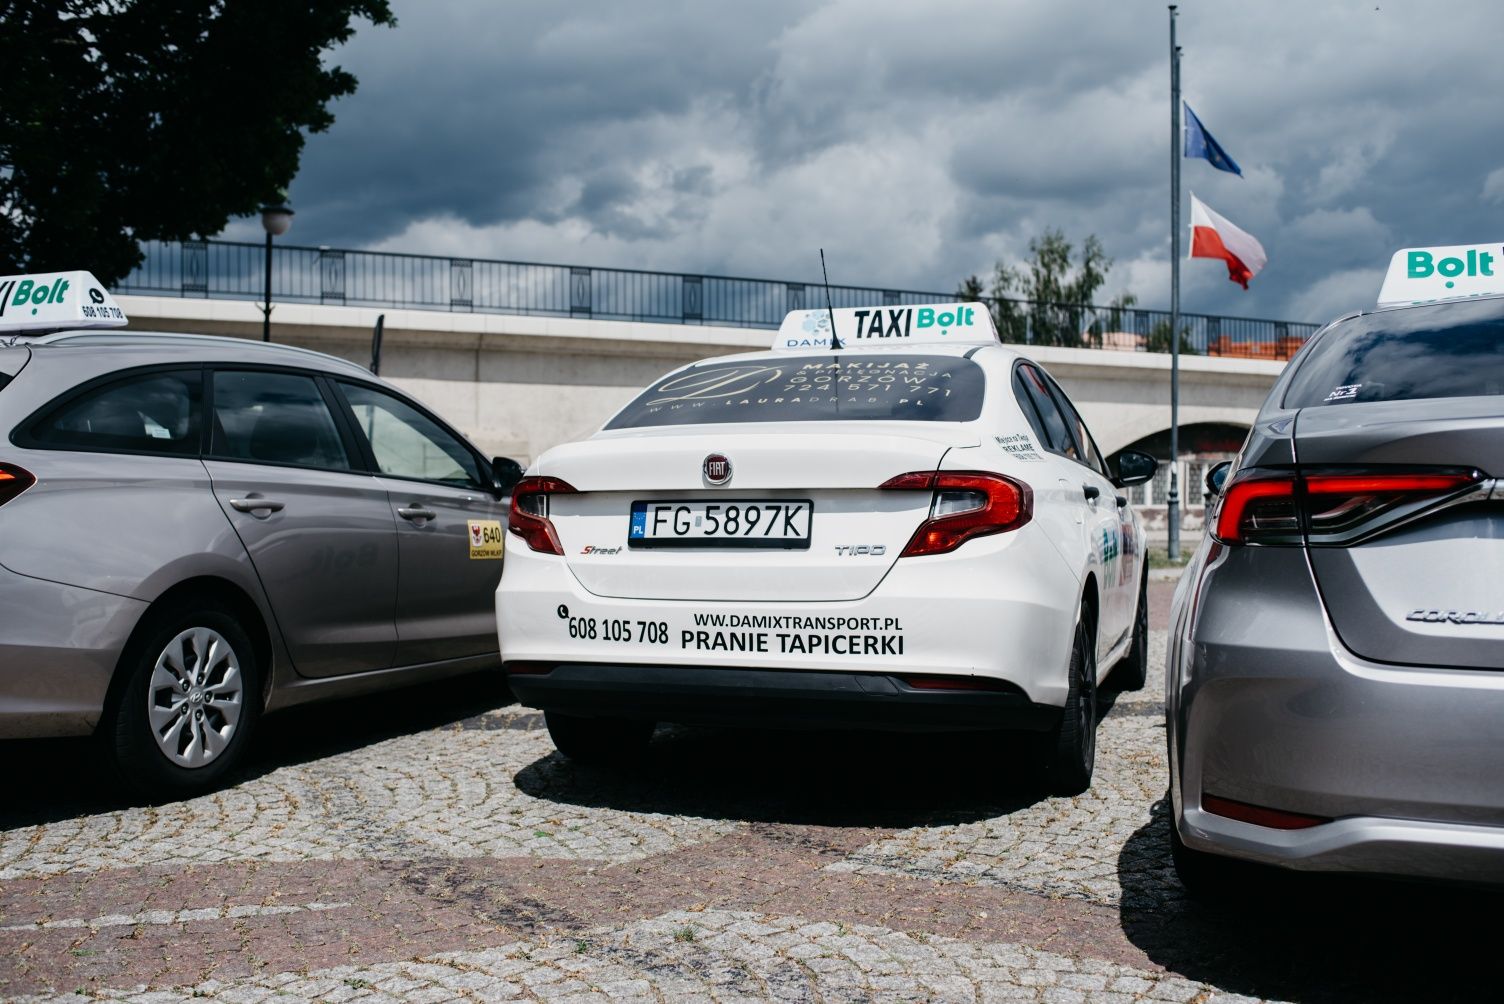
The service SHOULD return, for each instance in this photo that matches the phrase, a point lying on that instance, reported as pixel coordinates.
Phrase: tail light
(1330, 506)
(13, 481)
(966, 504)
(529, 516)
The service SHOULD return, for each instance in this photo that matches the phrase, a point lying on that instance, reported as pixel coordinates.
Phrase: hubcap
(194, 700)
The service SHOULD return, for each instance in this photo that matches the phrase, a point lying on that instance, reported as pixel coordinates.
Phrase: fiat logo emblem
(717, 469)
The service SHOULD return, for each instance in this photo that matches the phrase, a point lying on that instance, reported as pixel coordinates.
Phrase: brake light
(1328, 506)
(1258, 508)
(529, 516)
(965, 504)
(13, 481)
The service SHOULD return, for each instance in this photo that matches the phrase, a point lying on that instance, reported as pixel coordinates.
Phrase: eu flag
(1199, 143)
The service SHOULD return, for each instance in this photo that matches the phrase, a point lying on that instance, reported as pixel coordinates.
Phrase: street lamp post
(276, 218)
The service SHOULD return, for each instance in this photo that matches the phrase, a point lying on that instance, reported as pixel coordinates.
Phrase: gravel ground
(434, 847)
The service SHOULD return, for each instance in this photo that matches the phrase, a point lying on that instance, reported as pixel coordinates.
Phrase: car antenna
(835, 341)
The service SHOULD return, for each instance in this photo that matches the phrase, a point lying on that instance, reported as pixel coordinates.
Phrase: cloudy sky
(915, 142)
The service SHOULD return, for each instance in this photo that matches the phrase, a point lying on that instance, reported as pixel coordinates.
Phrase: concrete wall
(518, 385)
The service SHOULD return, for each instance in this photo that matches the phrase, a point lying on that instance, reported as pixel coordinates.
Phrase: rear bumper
(59, 646)
(996, 608)
(705, 695)
(1267, 707)
(1410, 848)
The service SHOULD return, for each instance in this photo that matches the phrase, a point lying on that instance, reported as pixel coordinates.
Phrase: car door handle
(416, 511)
(255, 503)
(1091, 492)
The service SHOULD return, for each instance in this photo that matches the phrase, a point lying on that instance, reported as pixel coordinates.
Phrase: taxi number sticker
(486, 540)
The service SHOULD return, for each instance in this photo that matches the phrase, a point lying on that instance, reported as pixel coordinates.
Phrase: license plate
(733, 523)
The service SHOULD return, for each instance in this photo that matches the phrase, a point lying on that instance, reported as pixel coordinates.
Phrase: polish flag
(1213, 236)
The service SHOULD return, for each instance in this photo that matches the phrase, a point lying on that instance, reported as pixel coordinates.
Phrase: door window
(1089, 455)
(146, 413)
(1042, 412)
(409, 444)
(265, 417)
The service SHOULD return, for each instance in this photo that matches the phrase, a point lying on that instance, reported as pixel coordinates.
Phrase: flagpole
(1173, 508)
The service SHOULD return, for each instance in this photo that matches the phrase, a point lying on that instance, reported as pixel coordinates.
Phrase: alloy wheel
(195, 697)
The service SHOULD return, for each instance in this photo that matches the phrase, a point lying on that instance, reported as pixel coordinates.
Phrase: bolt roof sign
(888, 327)
(53, 301)
(1421, 275)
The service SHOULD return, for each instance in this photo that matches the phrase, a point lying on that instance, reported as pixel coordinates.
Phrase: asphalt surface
(430, 845)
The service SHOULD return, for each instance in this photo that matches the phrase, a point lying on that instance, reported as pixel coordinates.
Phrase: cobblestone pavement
(436, 848)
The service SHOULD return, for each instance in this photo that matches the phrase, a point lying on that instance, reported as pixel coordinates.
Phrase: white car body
(979, 636)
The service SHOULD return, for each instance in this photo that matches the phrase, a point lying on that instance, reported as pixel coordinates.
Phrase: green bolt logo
(1423, 265)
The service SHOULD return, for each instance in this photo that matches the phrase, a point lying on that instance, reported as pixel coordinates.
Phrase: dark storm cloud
(916, 142)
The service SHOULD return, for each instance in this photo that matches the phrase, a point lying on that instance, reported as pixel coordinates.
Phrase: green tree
(133, 120)
(970, 290)
(1056, 293)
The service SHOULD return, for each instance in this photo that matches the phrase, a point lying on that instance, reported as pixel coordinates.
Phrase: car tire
(167, 741)
(1133, 671)
(1071, 752)
(597, 740)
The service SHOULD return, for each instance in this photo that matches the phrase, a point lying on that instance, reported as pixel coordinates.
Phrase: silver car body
(1355, 676)
(340, 591)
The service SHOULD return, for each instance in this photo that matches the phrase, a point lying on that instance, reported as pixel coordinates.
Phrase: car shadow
(1299, 937)
(845, 778)
(56, 779)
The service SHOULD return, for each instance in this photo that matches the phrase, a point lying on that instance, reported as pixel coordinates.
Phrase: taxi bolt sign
(1417, 275)
(50, 301)
(857, 327)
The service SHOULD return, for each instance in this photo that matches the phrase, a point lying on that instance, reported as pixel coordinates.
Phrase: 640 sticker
(485, 539)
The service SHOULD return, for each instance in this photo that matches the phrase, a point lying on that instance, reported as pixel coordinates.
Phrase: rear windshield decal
(1347, 392)
(835, 387)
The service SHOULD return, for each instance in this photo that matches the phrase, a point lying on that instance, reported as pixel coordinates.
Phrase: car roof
(173, 346)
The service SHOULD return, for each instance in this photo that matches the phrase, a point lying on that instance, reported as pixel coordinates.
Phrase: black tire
(598, 740)
(125, 732)
(1071, 753)
(1133, 671)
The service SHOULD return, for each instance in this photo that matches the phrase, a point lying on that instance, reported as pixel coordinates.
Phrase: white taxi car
(910, 529)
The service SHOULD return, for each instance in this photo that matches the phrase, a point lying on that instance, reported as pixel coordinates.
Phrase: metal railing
(234, 270)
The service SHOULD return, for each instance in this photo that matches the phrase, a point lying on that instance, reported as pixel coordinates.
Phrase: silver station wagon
(198, 530)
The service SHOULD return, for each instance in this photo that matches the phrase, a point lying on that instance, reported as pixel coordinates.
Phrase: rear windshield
(840, 386)
(1444, 350)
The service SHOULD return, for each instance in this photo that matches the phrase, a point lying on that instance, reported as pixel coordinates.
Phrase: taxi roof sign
(50, 301)
(888, 327)
(1420, 275)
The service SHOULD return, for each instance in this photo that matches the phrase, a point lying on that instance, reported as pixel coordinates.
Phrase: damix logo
(717, 469)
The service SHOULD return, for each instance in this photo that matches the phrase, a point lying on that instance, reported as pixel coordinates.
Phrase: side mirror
(1217, 477)
(1134, 468)
(505, 473)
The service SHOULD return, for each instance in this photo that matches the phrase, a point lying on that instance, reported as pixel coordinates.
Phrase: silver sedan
(1335, 684)
(194, 531)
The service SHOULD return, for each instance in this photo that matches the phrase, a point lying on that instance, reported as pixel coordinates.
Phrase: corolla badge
(1456, 616)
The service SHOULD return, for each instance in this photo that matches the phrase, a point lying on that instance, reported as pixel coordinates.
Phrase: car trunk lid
(1428, 591)
(856, 530)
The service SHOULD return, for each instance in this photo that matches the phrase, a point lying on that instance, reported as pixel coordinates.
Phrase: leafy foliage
(132, 120)
(1055, 294)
